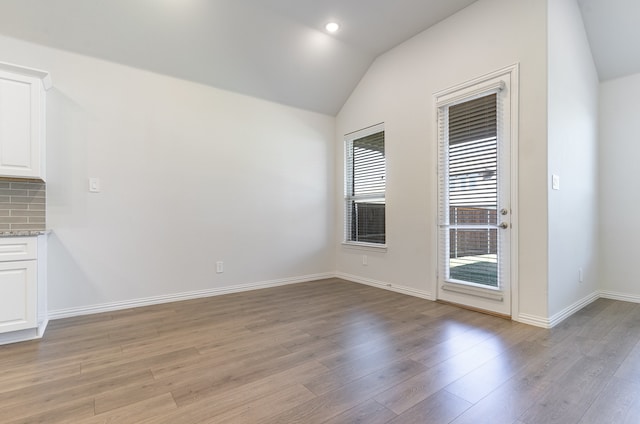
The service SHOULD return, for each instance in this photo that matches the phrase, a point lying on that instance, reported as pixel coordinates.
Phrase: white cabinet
(18, 295)
(22, 121)
(23, 313)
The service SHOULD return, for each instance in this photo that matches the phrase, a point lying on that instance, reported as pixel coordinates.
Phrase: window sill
(365, 246)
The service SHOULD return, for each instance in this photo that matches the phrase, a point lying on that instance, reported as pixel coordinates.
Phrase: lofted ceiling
(613, 29)
(274, 49)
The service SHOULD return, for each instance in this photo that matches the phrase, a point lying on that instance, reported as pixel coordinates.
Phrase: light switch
(94, 185)
(555, 182)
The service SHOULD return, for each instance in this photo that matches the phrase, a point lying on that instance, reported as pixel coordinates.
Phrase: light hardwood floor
(325, 352)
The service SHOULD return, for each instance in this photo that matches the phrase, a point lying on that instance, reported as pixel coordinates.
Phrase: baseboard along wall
(534, 320)
(176, 297)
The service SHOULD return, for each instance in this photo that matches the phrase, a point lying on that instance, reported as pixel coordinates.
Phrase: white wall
(619, 193)
(573, 148)
(190, 175)
(398, 90)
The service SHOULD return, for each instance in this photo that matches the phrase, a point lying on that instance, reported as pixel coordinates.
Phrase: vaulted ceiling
(274, 49)
(613, 29)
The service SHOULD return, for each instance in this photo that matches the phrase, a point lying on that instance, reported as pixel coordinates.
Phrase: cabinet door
(21, 125)
(18, 297)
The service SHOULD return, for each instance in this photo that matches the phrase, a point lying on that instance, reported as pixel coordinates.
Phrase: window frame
(349, 197)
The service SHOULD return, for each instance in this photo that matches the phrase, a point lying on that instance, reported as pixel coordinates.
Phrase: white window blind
(365, 186)
(473, 155)
(469, 190)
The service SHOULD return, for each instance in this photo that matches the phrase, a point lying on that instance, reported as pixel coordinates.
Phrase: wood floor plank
(368, 412)
(606, 320)
(50, 396)
(370, 346)
(511, 400)
(630, 368)
(57, 356)
(336, 378)
(492, 374)
(14, 379)
(266, 407)
(450, 347)
(210, 407)
(66, 413)
(568, 403)
(242, 361)
(619, 402)
(151, 408)
(168, 341)
(439, 408)
(235, 375)
(141, 361)
(528, 393)
(583, 382)
(326, 406)
(419, 387)
(134, 392)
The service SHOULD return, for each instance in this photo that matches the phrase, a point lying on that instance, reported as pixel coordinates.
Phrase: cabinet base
(24, 335)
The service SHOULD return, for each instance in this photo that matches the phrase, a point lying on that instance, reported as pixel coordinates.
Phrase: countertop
(25, 233)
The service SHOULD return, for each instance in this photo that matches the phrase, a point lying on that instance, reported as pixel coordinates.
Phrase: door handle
(503, 225)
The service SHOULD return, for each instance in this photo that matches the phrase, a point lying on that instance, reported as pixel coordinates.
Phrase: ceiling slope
(271, 49)
(276, 49)
(613, 30)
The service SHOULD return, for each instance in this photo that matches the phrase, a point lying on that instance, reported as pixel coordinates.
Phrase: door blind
(473, 157)
(469, 190)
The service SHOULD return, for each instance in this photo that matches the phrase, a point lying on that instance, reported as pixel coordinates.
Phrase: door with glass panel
(474, 197)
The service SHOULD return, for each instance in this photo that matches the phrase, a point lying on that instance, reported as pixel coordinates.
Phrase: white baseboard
(633, 298)
(176, 297)
(556, 319)
(535, 320)
(386, 286)
(572, 309)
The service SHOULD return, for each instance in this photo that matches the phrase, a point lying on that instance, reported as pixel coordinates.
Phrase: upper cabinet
(22, 121)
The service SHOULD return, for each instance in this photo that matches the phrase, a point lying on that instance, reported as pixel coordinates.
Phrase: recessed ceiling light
(332, 27)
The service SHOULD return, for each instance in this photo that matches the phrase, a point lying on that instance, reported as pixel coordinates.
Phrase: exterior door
(475, 211)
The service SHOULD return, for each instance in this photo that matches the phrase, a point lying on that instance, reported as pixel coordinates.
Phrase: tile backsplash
(22, 205)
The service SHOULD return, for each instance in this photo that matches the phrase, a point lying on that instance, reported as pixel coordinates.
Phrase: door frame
(512, 72)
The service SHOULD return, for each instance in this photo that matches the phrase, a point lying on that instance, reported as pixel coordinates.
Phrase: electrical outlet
(580, 275)
(364, 260)
(219, 267)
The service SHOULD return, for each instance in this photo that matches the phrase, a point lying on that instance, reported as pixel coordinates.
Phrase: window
(473, 190)
(365, 185)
